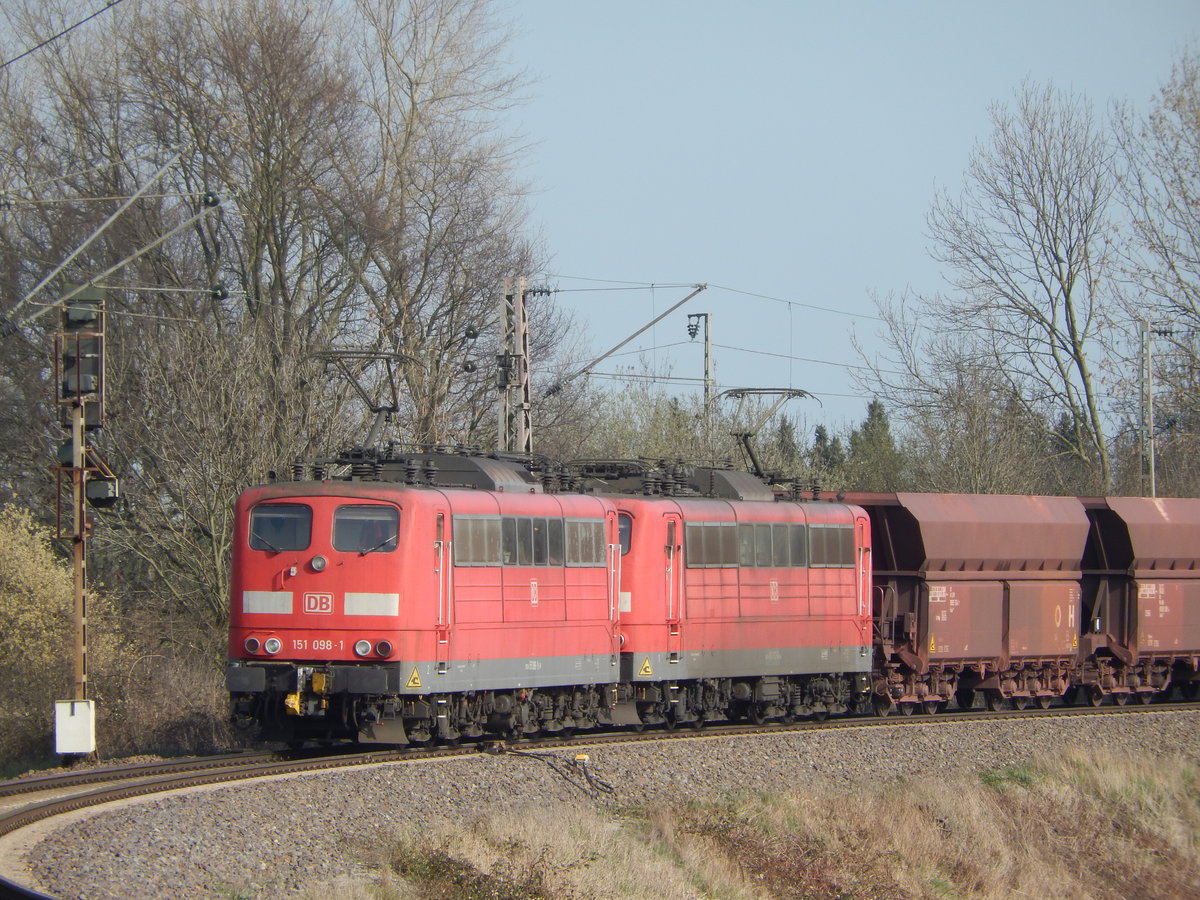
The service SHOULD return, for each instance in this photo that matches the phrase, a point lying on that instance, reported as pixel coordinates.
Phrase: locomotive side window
(585, 542)
(508, 540)
(545, 553)
(762, 546)
(280, 526)
(831, 546)
(477, 540)
(512, 541)
(779, 545)
(711, 544)
(554, 534)
(366, 529)
(798, 536)
(524, 542)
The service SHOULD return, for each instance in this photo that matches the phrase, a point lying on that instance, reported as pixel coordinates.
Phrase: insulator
(297, 471)
(652, 482)
(318, 472)
(430, 472)
(412, 471)
(376, 470)
(361, 471)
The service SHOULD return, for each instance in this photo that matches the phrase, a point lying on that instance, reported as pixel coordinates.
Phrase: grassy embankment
(1085, 826)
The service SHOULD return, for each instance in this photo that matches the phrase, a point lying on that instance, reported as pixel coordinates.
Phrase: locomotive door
(443, 568)
(673, 576)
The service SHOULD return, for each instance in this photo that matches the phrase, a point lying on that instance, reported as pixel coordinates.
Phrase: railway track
(25, 802)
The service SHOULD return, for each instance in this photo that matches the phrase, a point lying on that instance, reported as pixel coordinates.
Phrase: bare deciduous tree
(1161, 189)
(1026, 250)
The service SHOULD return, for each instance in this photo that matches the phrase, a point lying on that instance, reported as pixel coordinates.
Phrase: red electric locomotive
(740, 605)
(405, 611)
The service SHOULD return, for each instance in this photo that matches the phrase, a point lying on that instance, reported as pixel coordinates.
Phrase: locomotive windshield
(280, 526)
(366, 529)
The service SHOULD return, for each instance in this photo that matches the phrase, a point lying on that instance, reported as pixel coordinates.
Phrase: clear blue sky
(789, 149)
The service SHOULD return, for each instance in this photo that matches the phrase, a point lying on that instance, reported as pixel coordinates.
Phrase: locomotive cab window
(366, 529)
(624, 531)
(276, 527)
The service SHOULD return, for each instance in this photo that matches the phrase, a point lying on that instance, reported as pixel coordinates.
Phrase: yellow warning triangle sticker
(645, 669)
(414, 680)
(932, 644)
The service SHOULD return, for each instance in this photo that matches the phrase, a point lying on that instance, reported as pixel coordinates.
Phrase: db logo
(318, 603)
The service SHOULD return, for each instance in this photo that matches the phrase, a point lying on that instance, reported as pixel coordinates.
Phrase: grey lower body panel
(504, 674)
(694, 664)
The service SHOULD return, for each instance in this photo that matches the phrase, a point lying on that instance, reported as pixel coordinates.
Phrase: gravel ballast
(290, 835)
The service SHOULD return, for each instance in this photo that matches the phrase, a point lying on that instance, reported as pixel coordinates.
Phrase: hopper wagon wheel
(994, 700)
(965, 699)
(1095, 696)
(1121, 699)
(1044, 700)
(1019, 702)
(1145, 697)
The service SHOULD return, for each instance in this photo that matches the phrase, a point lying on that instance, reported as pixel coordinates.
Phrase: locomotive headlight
(252, 645)
(384, 648)
(272, 645)
(318, 563)
(362, 648)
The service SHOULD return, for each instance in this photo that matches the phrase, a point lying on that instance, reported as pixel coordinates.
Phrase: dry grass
(1086, 825)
